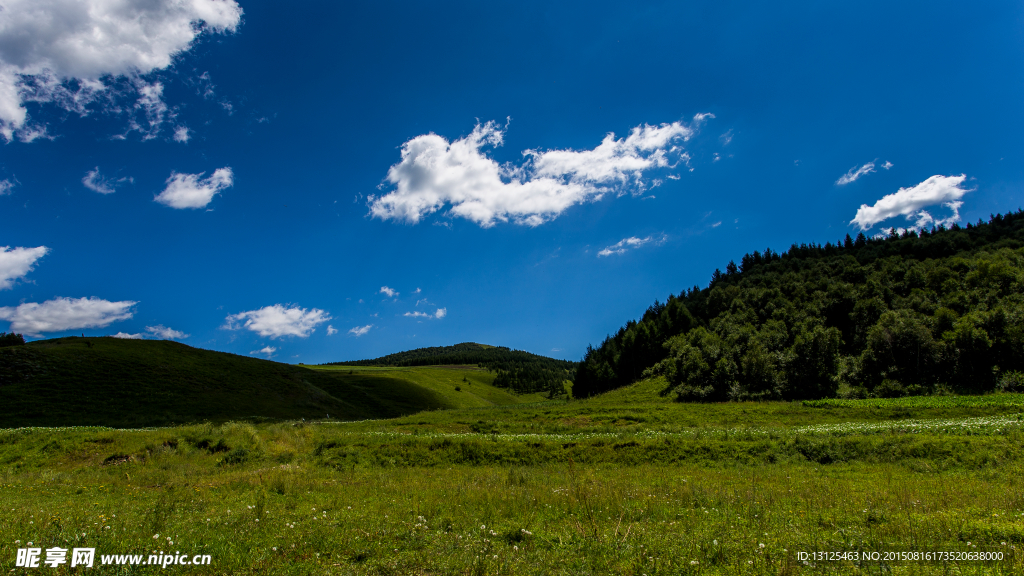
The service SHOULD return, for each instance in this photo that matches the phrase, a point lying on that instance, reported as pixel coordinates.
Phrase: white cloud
(417, 291)
(268, 350)
(391, 293)
(70, 53)
(277, 321)
(440, 313)
(126, 336)
(909, 202)
(193, 191)
(331, 330)
(5, 187)
(62, 314)
(622, 246)
(95, 181)
(855, 173)
(17, 263)
(887, 165)
(360, 330)
(151, 106)
(924, 219)
(165, 333)
(181, 134)
(434, 173)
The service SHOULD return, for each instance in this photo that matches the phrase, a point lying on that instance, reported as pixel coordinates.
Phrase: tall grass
(390, 498)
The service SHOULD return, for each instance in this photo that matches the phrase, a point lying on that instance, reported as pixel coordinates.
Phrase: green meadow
(628, 482)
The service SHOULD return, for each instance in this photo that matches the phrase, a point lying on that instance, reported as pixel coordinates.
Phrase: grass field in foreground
(740, 494)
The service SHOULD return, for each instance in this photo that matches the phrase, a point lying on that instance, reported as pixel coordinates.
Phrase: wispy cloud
(435, 173)
(440, 313)
(62, 314)
(277, 321)
(855, 173)
(910, 202)
(360, 330)
(391, 293)
(194, 191)
(631, 243)
(95, 181)
(126, 336)
(887, 165)
(331, 330)
(6, 186)
(17, 263)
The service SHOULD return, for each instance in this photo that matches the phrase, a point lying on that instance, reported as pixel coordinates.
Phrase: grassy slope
(80, 381)
(474, 383)
(105, 381)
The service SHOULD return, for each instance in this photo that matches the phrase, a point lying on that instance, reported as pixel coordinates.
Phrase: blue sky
(330, 181)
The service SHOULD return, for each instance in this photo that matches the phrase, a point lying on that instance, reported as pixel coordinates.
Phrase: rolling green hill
(457, 386)
(464, 353)
(516, 370)
(134, 383)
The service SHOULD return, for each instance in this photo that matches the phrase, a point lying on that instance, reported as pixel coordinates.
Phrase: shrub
(1012, 381)
(237, 456)
(11, 339)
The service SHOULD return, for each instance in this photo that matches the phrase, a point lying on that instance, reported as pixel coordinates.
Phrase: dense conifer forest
(519, 371)
(934, 311)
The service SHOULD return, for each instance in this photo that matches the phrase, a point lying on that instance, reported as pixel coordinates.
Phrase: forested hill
(459, 354)
(911, 313)
(517, 370)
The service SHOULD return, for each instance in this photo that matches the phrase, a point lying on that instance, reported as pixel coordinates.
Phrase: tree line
(908, 313)
(11, 339)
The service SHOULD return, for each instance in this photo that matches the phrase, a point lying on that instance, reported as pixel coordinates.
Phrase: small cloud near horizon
(910, 203)
(268, 350)
(632, 243)
(278, 321)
